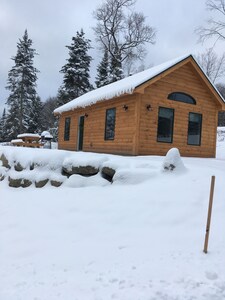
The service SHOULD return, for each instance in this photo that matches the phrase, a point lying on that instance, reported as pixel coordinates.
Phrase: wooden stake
(209, 214)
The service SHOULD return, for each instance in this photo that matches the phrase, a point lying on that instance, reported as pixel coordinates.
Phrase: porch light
(125, 107)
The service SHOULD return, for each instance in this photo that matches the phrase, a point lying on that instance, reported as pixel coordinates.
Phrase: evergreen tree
(116, 71)
(3, 130)
(103, 71)
(22, 86)
(76, 70)
(35, 116)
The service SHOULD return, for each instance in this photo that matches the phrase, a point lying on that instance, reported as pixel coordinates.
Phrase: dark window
(181, 97)
(110, 124)
(194, 129)
(165, 125)
(67, 129)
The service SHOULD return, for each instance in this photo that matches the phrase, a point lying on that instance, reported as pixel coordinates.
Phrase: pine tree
(3, 130)
(76, 70)
(35, 116)
(103, 71)
(22, 86)
(116, 71)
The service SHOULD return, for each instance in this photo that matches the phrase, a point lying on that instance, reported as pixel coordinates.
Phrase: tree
(47, 117)
(103, 71)
(212, 64)
(76, 70)
(22, 86)
(221, 115)
(215, 28)
(3, 130)
(122, 34)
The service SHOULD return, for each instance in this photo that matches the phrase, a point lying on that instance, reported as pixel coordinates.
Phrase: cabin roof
(127, 86)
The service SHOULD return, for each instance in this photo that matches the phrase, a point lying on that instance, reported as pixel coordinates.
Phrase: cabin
(170, 105)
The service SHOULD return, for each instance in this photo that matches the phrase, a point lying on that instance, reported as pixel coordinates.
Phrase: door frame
(80, 141)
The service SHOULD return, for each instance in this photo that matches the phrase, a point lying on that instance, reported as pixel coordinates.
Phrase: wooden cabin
(170, 105)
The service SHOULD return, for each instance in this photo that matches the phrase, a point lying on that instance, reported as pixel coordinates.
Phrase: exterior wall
(136, 128)
(94, 127)
(184, 79)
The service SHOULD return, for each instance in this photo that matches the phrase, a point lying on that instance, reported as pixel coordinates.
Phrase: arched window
(181, 97)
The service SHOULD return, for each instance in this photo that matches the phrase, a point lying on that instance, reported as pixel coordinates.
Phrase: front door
(80, 133)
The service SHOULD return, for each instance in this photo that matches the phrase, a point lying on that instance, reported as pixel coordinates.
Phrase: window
(67, 129)
(194, 129)
(165, 125)
(181, 97)
(110, 124)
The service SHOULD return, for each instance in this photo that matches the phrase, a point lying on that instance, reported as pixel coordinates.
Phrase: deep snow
(139, 238)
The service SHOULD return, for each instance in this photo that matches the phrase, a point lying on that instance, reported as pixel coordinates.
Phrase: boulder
(81, 170)
(25, 183)
(108, 173)
(14, 182)
(41, 183)
(173, 160)
(18, 167)
(5, 162)
(55, 183)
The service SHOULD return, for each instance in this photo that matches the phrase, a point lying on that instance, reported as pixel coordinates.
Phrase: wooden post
(209, 214)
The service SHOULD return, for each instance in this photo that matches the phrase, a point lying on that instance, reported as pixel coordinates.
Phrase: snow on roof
(118, 88)
(28, 135)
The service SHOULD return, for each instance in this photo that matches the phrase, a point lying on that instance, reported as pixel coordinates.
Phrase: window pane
(110, 124)
(194, 129)
(67, 129)
(181, 97)
(165, 125)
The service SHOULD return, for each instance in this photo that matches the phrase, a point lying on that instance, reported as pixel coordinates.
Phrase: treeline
(121, 35)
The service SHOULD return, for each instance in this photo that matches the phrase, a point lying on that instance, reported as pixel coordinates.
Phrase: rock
(25, 183)
(55, 183)
(173, 160)
(2, 177)
(5, 162)
(108, 173)
(41, 183)
(81, 170)
(18, 167)
(20, 182)
(14, 182)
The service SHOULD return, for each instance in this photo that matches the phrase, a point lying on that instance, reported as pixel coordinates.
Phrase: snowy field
(140, 238)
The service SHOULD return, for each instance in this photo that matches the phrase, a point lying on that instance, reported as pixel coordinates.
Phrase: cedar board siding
(136, 129)
(184, 79)
(94, 127)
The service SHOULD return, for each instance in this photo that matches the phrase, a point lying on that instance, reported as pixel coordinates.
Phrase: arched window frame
(172, 96)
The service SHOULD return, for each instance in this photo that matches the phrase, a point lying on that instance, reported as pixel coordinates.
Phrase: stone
(41, 183)
(18, 167)
(81, 170)
(14, 182)
(5, 162)
(55, 183)
(25, 183)
(108, 173)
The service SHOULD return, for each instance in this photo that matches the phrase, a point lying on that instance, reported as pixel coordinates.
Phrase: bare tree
(212, 64)
(122, 32)
(215, 28)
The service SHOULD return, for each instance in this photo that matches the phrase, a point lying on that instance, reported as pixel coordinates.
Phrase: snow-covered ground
(140, 238)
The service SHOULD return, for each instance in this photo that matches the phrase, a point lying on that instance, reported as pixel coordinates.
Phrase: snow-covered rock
(173, 161)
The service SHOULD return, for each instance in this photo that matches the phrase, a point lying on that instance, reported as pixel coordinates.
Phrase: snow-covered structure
(170, 105)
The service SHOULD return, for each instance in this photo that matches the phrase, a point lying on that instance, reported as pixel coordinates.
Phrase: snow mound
(172, 161)
(77, 181)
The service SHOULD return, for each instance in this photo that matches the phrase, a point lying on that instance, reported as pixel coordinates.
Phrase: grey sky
(52, 23)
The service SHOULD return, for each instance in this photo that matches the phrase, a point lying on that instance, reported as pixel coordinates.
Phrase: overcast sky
(52, 23)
